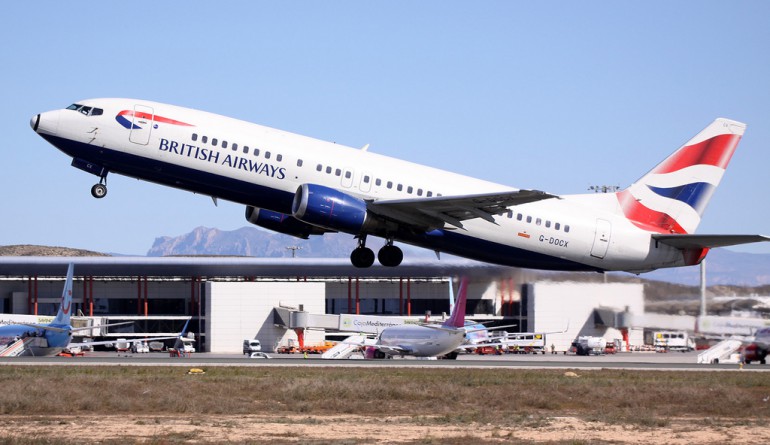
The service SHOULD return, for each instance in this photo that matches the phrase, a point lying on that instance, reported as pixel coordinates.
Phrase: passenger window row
(377, 182)
(539, 221)
(234, 147)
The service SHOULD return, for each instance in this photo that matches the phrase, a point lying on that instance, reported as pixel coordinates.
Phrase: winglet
(457, 317)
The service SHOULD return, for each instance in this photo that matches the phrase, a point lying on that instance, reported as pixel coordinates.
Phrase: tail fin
(63, 316)
(457, 317)
(672, 197)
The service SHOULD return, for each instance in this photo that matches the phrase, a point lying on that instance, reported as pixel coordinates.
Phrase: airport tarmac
(626, 360)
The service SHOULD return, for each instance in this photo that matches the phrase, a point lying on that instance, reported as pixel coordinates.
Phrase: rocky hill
(32, 250)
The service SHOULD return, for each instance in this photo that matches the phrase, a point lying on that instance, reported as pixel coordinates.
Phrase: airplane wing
(453, 210)
(112, 342)
(694, 241)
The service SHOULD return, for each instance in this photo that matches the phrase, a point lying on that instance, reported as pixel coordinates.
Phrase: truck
(587, 345)
(251, 345)
(673, 341)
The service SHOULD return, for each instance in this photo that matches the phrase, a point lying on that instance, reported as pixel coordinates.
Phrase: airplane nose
(34, 122)
(45, 123)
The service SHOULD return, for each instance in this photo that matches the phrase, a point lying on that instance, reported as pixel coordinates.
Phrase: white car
(259, 355)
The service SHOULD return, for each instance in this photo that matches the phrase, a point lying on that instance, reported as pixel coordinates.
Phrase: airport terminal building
(231, 299)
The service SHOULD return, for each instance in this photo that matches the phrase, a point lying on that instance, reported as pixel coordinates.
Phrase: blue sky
(556, 96)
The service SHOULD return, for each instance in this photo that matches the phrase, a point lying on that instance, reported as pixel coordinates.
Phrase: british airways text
(206, 154)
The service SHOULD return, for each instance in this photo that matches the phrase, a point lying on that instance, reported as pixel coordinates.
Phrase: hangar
(233, 298)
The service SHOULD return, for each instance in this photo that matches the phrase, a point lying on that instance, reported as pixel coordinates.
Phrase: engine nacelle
(329, 208)
(281, 223)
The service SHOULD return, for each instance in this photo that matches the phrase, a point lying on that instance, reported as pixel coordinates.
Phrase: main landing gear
(99, 190)
(363, 257)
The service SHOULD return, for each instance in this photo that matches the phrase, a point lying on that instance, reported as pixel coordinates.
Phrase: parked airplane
(300, 186)
(425, 340)
(50, 339)
(40, 339)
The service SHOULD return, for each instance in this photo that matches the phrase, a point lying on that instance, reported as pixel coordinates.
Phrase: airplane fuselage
(263, 168)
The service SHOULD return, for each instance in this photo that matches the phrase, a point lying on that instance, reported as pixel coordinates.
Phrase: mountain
(724, 267)
(251, 241)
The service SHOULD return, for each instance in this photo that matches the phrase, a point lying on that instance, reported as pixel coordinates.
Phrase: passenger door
(143, 121)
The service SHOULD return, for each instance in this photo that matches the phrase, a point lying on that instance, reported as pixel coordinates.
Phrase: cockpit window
(88, 111)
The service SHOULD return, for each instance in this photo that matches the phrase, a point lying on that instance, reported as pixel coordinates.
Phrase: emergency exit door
(601, 238)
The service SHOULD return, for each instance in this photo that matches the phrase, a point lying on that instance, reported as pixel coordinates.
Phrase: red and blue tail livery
(300, 186)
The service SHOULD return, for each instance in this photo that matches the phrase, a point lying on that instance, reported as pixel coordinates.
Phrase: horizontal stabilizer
(686, 241)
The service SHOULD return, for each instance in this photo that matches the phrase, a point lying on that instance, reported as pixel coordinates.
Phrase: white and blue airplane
(41, 339)
(301, 186)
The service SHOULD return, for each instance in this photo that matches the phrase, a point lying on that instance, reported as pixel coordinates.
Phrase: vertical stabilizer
(457, 317)
(672, 197)
(63, 316)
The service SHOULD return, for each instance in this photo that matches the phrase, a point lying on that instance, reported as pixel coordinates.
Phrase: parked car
(258, 354)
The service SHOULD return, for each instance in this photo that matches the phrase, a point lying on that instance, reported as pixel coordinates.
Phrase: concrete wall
(237, 311)
(554, 305)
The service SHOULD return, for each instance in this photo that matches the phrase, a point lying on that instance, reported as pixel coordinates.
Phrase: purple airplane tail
(457, 317)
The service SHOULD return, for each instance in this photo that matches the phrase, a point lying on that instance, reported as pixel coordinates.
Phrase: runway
(631, 361)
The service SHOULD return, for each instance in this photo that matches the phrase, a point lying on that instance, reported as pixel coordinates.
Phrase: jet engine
(281, 223)
(331, 209)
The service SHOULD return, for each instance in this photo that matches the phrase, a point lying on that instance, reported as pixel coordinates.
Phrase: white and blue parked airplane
(300, 186)
(41, 339)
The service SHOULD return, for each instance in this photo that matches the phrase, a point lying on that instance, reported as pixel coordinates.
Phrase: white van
(251, 345)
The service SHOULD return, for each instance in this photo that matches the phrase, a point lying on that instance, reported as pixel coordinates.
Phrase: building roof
(128, 266)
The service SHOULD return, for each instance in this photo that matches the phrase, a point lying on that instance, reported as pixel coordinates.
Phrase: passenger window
(278, 158)
(204, 139)
(246, 149)
(195, 137)
(548, 224)
(224, 144)
(538, 222)
(235, 147)
(519, 217)
(366, 179)
(318, 167)
(400, 187)
(390, 184)
(566, 228)
(409, 189)
(557, 226)
(256, 152)
(378, 182)
(419, 192)
(328, 169)
(214, 142)
(299, 162)
(510, 213)
(529, 219)
(429, 194)
(347, 175)
(267, 155)
(337, 172)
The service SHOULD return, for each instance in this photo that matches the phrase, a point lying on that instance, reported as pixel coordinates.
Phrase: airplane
(423, 340)
(757, 350)
(36, 339)
(300, 186)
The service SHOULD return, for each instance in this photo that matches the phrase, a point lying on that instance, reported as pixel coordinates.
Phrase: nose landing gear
(99, 190)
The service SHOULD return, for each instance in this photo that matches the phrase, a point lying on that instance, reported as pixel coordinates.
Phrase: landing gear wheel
(362, 257)
(390, 255)
(99, 191)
